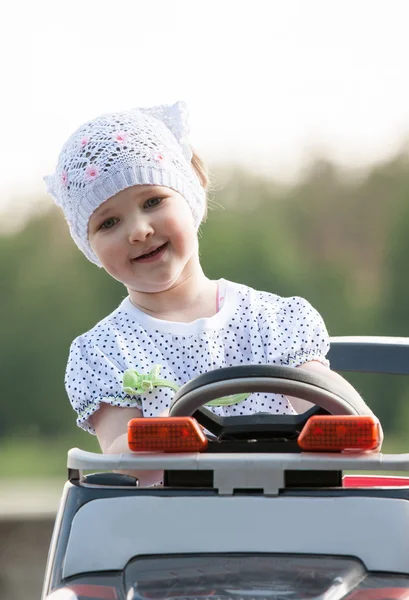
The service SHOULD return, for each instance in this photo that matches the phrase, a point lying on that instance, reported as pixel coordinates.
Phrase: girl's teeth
(152, 253)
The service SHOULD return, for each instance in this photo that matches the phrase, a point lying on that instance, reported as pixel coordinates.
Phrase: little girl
(133, 194)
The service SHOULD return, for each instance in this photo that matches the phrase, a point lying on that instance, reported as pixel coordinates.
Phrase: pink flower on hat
(162, 160)
(84, 141)
(91, 172)
(120, 136)
(64, 178)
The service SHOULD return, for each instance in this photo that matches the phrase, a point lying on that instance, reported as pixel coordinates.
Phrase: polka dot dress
(251, 327)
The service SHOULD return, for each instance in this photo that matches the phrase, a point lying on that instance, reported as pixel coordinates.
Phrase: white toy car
(257, 510)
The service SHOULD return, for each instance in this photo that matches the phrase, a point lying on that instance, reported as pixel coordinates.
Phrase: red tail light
(167, 434)
(98, 592)
(334, 433)
(380, 594)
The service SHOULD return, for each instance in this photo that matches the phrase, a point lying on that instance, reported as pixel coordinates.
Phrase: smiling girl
(133, 194)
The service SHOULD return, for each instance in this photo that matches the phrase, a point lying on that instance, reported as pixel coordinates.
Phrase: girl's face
(145, 237)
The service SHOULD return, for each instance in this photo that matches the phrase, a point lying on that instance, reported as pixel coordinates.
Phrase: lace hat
(116, 151)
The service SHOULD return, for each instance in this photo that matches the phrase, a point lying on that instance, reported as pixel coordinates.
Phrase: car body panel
(118, 528)
(252, 506)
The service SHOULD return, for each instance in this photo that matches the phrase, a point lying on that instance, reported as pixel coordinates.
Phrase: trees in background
(337, 239)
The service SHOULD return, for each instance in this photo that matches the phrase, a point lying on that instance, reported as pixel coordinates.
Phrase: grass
(29, 458)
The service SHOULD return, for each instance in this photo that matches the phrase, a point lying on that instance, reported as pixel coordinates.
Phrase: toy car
(257, 508)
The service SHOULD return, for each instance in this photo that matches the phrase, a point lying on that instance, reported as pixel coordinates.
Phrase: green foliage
(41, 457)
(340, 241)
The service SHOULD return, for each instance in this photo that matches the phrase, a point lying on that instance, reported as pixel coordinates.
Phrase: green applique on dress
(228, 400)
(135, 383)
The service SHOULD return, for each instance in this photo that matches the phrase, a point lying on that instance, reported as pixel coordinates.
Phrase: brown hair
(202, 173)
(200, 169)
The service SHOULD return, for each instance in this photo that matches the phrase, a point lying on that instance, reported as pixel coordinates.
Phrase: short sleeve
(93, 377)
(304, 333)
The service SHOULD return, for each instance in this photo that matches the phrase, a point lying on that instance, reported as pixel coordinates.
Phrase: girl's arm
(317, 367)
(111, 426)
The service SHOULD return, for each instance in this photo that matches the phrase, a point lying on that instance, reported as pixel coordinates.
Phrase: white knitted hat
(118, 150)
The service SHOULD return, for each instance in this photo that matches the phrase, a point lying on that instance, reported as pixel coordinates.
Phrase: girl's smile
(151, 255)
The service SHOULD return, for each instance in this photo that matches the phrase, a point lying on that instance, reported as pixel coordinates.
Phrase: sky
(269, 84)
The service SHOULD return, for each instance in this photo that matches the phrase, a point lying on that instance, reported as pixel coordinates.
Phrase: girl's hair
(200, 169)
(202, 173)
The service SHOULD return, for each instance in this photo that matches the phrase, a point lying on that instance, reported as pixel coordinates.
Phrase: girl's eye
(109, 223)
(152, 202)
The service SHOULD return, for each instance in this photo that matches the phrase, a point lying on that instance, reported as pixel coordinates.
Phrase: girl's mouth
(152, 255)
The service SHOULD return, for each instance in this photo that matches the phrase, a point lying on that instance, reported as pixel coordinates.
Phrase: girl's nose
(140, 229)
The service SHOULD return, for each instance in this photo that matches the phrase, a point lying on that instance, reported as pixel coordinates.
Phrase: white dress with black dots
(251, 327)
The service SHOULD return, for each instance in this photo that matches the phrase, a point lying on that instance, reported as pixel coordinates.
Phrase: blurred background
(301, 111)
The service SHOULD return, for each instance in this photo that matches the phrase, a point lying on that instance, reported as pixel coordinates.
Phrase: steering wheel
(329, 397)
